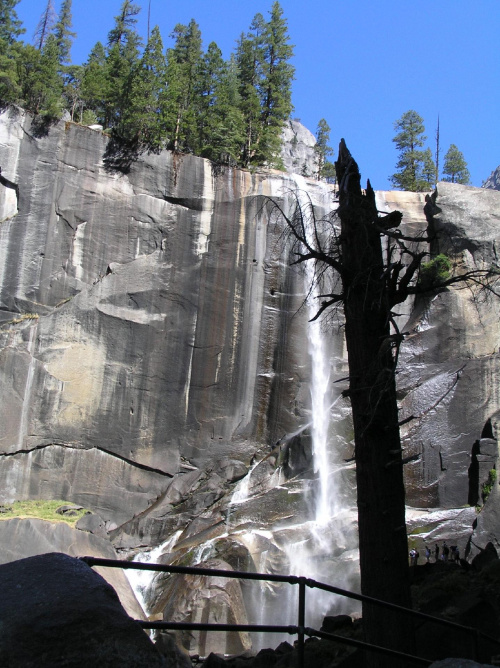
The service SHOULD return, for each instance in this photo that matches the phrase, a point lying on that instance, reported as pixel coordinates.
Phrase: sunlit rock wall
(450, 361)
(153, 343)
(151, 322)
(493, 180)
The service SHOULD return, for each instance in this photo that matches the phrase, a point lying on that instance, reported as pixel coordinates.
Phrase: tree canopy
(183, 98)
(417, 169)
(455, 167)
(415, 165)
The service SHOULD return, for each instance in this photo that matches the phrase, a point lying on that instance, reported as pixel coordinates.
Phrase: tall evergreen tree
(10, 25)
(125, 23)
(249, 61)
(10, 30)
(428, 178)
(322, 149)
(209, 74)
(224, 126)
(183, 67)
(40, 79)
(45, 25)
(266, 77)
(63, 34)
(94, 83)
(141, 121)
(455, 168)
(72, 93)
(122, 57)
(409, 140)
(276, 86)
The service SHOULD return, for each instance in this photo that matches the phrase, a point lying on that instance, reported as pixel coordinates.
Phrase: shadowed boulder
(55, 611)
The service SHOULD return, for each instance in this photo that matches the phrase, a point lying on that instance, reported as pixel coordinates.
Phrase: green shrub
(88, 117)
(488, 485)
(435, 272)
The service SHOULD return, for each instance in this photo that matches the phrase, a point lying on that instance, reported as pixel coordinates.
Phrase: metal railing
(300, 630)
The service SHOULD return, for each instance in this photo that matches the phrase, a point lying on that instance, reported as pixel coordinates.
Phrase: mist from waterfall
(324, 539)
(140, 581)
(323, 547)
(319, 541)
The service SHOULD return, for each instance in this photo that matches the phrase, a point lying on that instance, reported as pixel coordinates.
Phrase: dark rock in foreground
(29, 537)
(56, 611)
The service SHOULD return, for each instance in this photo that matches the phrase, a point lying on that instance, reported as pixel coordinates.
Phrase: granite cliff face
(493, 180)
(154, 350)
(154, 317)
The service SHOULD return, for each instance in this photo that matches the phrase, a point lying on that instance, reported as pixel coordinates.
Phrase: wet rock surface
(153, 364)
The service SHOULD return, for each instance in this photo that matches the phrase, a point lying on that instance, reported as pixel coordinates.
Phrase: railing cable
(300, 630)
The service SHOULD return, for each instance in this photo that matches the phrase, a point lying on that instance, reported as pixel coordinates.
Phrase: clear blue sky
(360, 64)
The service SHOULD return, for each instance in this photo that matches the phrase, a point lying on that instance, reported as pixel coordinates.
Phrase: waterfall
(320, 378)
(140, 581)
(320, 409)
(316, 537)
(241, 491)
(321, 550)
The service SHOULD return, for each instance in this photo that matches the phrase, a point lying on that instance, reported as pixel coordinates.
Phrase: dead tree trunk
(369, 283)
(379, 468)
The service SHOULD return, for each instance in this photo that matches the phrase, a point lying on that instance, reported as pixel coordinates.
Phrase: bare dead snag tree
(368, 279)
(370, 291)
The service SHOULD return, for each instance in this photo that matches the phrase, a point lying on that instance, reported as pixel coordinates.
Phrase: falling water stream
(140, 581)
(311, 547)
(324, 534)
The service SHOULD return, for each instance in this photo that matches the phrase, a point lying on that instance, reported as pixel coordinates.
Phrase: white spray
(140, 581)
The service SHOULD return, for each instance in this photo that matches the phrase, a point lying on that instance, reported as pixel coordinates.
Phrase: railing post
(302, 620)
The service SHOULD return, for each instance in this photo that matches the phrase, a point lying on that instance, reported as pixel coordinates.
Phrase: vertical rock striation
(153, 351)
(151, 321)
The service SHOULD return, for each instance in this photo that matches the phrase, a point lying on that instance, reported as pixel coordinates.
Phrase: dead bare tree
(368, 281)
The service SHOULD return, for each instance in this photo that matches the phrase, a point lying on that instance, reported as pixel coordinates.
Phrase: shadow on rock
(56, 611)
(121, 153)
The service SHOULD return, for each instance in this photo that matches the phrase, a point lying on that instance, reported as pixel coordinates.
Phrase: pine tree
(183, 68)
(10, 25)
(45, 25)
(63, 34)
(428, 179)
(266, 77)
(455, 167)
(94, 83)
(224, 124)
(73, 76)
(122, 57)
(249, 62)
(409, 139)
(141, 121)
(209, 73)
(329, 172)
(276, 86)
(125, 23)
(322, 149)
(41, 83)
(10, 30)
